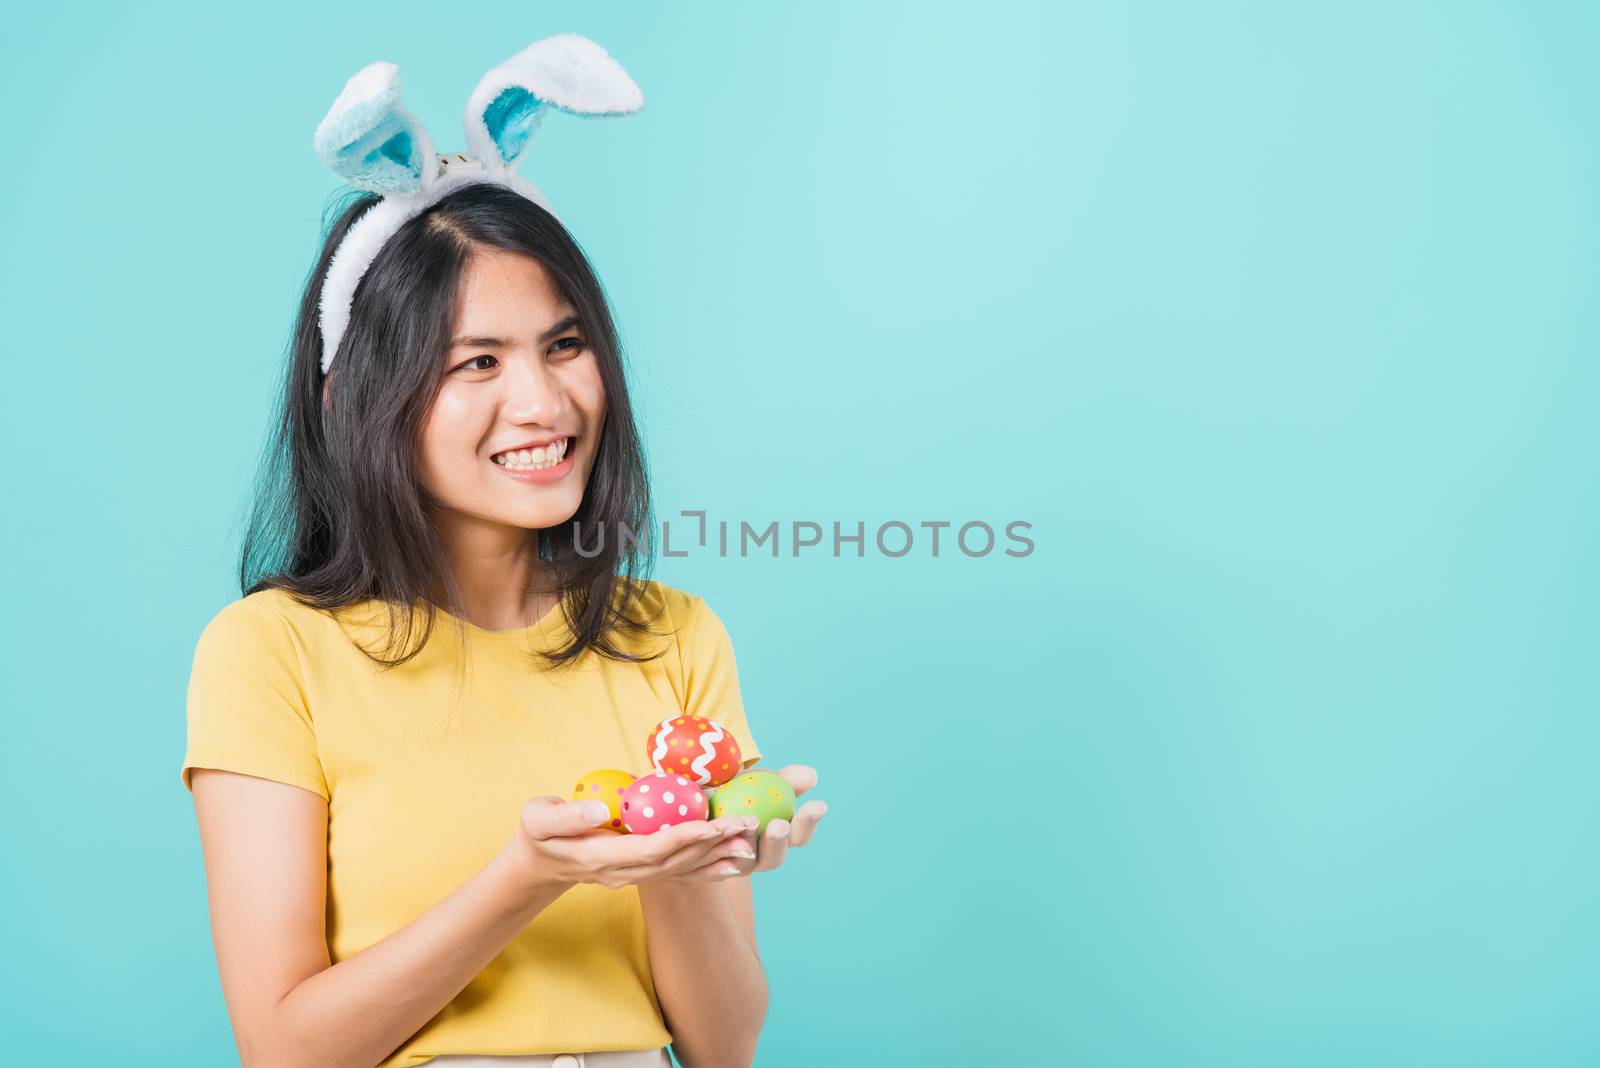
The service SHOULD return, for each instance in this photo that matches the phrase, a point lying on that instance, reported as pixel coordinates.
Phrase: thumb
(549, 816)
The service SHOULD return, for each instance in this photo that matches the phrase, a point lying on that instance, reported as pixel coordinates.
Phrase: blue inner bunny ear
(565, 72)
(386, 159)
(511, 119)
(370, 140)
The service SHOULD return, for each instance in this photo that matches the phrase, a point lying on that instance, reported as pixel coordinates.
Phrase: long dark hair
(340, 515)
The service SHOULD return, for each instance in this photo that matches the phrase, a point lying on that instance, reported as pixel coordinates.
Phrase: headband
(371, 141)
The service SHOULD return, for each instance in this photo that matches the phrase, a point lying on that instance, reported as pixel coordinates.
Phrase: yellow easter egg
(605, 785)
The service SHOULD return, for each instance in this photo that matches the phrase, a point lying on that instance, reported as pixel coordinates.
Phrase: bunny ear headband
(370, 140)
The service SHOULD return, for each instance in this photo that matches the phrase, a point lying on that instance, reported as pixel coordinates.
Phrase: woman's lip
(545, 475)
(568, 438)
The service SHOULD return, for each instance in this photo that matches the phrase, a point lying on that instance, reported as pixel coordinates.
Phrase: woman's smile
(539, 465)
(532, 457)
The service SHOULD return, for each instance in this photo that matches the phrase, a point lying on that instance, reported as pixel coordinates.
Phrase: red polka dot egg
(701, 750)
(660, 800)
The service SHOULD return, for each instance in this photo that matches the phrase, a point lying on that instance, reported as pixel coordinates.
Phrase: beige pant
(629, 1058)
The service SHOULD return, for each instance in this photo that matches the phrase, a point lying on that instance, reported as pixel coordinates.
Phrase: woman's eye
(574, 348)
(475, 359)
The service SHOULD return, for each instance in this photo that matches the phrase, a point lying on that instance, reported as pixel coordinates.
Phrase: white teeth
(536, 459)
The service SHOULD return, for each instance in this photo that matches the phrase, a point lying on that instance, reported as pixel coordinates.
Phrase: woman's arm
(702, 942)
(708, 976)
(288, 1006)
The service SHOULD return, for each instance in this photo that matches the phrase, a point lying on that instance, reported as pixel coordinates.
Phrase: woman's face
(512, 435)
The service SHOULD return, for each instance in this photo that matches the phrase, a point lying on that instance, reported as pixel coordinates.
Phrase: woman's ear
(567, 72)
(370, 140)
(327, 380)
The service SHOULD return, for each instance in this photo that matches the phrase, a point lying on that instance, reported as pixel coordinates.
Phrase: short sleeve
(247, 710)
(711, 678)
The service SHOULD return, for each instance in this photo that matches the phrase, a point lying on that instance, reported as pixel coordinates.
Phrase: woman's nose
(532, 390)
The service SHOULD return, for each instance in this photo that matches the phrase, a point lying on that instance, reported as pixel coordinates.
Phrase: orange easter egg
(701, 750)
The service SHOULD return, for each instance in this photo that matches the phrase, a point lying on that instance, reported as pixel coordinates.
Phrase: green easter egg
(755, 793)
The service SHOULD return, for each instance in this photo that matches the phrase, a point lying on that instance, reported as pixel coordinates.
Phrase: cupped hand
(778, 837)
(567, 842)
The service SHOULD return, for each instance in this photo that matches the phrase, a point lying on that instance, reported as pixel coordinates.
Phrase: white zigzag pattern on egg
(708, 751)
(708, 748)
(661, 744)
(663, 729)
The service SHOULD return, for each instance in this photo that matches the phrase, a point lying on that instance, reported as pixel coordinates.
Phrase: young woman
(445, 614)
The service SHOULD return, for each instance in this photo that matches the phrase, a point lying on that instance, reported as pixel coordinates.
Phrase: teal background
(1276, 321)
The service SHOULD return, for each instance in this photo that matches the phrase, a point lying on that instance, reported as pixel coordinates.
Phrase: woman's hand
(778, 837)
(565, 842)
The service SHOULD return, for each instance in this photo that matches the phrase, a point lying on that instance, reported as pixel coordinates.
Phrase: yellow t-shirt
(425, 771)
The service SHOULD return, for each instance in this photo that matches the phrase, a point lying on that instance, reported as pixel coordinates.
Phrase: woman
(443, 613)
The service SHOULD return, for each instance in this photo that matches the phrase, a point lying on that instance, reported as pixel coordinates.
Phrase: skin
(497, 396)
(265, 842)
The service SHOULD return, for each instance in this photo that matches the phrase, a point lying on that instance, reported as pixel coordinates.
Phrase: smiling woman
(506, 446)
(394, 874)
(498, 285)
(479, 329)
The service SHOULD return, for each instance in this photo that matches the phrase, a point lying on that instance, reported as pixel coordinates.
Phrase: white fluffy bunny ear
(566, 71)
(371, 141)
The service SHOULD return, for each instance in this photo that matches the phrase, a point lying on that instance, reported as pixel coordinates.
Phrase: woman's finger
(697, 853)
(774, 845)
(713, 866)
(806, 818)
(740, 857)
(800, 777)
(607, 849)
(714, 872)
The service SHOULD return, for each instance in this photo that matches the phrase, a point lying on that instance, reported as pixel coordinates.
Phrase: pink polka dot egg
(657, 799)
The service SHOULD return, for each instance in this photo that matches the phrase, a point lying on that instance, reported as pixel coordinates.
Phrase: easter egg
(755, 793)
(606, 785)
(659, 800)
(697, 748)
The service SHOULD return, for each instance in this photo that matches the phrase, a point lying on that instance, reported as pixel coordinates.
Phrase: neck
(503, 583)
